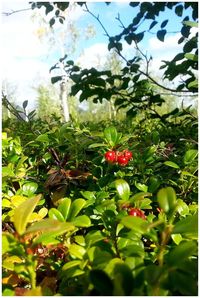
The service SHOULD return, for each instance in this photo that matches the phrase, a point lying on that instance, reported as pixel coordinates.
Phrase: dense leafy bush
(75, 224)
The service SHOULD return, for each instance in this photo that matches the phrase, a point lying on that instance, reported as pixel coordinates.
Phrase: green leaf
(96, 145)
(71, 264)
(77, 251)
(64, 207)
(187, 226)
(23, 212)
(166, 198)
(29, 188)
(183, 251)
(49, 225)
(136, 224)
(190, 156)
(111, 136)
(177, 238)
(190, 24)
(7, 172)
(76, 207)
(123, 189)
(81, 221)
(140, 196)
(88, 195)
(101, 282)
(171, 164)
(192, 57)
(56, 214)
(161, 34)
(193, 84)
(182, 208)
(141, 186)
(43, 138)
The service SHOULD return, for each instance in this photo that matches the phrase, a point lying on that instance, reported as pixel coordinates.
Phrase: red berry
(110, 156)
(128, 154)
(122, 160)
(137, 212)
(133, 212)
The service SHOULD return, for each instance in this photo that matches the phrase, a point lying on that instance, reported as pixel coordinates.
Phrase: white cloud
(94, 56)
(170, 44)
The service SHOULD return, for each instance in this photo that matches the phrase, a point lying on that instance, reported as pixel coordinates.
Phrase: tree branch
(7, 14)
(128, 63)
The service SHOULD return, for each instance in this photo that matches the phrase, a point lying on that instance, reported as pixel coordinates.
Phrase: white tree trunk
(63, 99)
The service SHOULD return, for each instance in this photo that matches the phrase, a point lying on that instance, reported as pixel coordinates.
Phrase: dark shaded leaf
(153, 24)
(161, 34)
(164, 23)
(179, 10)
(101, 282)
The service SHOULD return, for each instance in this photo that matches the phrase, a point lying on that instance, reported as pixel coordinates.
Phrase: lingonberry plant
(77, 231)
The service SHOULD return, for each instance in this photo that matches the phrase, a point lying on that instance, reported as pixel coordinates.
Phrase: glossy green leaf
(123, 189)
(171, 164)
(191, 24)
(56, 214)
(182, 208)
(190, 156)
(43, 138)
(141, 187)
(88, 195)
(7, 172)
(192, 57)
(187, 226)
(29, 188)
(177, 238)
(76, 206)
(193, 84)
(166, 198)
(77, 251)
(23, 212)
(140, 196)
(64, 207)
(136, 224)
(112, 136)
(101, 282)
(183, 251)
(71, 264)
(82, 221)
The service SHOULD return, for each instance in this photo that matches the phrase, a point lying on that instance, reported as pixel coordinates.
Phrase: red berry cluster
(137, 212)
(122, 158)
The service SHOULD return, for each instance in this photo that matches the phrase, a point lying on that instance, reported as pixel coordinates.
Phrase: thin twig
(7, 14)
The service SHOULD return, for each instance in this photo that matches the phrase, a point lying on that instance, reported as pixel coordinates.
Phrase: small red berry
(110, 156)
(128, 154)
(133, 212)
(137, 212)
(122, 160)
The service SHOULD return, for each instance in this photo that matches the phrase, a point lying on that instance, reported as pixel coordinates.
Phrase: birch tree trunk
(63, 99)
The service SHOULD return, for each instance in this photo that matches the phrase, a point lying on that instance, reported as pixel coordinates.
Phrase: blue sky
(27, 59)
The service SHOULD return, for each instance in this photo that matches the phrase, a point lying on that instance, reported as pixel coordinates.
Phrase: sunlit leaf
(23, 212)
